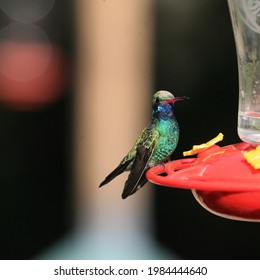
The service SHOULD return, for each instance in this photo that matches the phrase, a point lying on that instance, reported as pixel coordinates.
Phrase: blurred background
(76, 80)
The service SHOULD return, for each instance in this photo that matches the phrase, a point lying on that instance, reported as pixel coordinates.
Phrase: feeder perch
(224, 180)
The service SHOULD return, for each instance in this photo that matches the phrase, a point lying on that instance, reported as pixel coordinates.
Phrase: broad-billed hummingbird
(154, 146)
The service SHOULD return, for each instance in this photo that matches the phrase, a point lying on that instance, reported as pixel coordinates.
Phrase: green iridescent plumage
(154, 146)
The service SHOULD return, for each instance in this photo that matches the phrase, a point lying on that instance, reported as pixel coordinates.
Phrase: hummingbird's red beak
(172, 100)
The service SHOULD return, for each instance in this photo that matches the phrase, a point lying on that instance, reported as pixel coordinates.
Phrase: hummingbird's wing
(136, 160)
(144, 151)
(127, 161)
(138, 170)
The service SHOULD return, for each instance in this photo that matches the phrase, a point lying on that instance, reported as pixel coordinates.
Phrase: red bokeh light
(32, 75)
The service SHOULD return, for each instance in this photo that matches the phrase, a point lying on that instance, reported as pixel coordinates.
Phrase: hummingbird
(154, 146)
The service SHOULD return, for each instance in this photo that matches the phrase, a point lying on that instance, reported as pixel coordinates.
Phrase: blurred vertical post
(112, 106)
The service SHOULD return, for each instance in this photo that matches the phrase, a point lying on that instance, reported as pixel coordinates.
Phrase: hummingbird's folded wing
(136, 178)
(138, 170)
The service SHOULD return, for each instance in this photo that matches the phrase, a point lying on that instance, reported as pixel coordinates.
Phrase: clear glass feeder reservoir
(245, 15)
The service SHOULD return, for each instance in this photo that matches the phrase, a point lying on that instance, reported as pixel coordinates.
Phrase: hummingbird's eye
(157, 100)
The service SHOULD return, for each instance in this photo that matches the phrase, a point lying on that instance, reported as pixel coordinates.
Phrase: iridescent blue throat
(163, 111)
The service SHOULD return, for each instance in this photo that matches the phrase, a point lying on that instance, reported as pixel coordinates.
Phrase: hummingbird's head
(165, 97)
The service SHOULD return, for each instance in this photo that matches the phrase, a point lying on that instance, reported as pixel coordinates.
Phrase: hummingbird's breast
(167, 142)
(167, 127)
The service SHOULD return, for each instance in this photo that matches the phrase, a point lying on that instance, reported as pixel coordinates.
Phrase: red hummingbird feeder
(224, 180)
